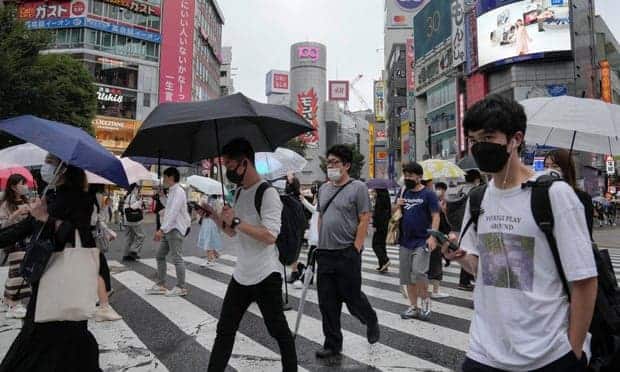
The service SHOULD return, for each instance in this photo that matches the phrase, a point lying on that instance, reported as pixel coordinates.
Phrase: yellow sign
(379, 98)
(371, 150)
(605, 81)
(115, 134)
(404, 135)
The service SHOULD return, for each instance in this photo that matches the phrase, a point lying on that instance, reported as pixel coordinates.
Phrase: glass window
(96, 6)
(146, 100)
(106, 41)
(141, 19)
(154, 22)
(116, 102)
(77, 35)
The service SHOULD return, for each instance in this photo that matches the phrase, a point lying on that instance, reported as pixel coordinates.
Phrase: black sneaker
(372, 333)
(134, 255)
(326, 353)
(129, 258)
(295, 275)
(384, 268)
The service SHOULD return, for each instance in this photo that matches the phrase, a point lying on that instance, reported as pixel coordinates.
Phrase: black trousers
(104, 271)
(435, 269)
(567, 363)
(339, 279)
(465, 278)
(268, 295)
(378, 245)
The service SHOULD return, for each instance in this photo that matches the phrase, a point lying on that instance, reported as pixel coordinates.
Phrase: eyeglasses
(333, 162)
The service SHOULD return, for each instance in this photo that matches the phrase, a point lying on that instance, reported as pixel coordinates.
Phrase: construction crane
(357, 93)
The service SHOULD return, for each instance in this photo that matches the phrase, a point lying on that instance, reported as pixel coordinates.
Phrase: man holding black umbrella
(257, 276)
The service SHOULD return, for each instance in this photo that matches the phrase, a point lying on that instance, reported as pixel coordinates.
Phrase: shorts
(414, 265)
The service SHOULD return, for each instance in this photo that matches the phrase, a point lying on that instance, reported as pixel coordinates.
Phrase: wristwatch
(235, 222)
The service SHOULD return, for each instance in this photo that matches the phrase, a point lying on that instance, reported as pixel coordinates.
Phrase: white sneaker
(16, 312)
(157, 290)
(298, 284)
(106, 314)
(3, 306)
(177, 292)
(439, 295)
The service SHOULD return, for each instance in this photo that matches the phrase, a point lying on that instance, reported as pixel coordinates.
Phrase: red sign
(280, 81)
(51, 9)
(380, 135)
(477, 88)
(307, 106)
(136, 6)
(410, 60)
(175, 68)
(338, 90)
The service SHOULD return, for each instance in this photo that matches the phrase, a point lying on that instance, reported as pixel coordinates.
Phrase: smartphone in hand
(442, 239)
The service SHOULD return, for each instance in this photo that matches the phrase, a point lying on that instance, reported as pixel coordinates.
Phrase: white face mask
(47, 172)
(22, 189)
(334, 174)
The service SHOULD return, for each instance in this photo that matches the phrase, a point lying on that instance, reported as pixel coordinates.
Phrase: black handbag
(36, 257)
(133, 215)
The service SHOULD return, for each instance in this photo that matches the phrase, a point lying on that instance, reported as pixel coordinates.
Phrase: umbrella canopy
(148, 161)
(70, 144)
(438, 168)
(192, 131)
(206, 185)
(135, 172)
(573, 123)
(382, 183)
(273, 165)
(6, 170)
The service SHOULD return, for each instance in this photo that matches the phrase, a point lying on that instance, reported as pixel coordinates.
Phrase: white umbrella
(206, 185)
(277, 164)
(135, 171)
(573, 123)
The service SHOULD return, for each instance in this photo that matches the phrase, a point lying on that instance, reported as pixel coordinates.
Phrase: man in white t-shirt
(523, 320)
(257, 275)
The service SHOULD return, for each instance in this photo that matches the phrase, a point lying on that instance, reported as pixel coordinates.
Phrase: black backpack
(293, 224)
(605, 327)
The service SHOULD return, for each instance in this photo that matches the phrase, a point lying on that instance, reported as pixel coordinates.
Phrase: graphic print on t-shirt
(507, 260)
(410, 203)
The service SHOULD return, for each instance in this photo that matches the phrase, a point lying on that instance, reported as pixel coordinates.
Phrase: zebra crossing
(158, 333)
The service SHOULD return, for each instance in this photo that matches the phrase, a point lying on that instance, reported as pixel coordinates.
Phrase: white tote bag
(68, 287)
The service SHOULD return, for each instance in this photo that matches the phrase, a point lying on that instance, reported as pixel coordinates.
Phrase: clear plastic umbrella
(277, 164)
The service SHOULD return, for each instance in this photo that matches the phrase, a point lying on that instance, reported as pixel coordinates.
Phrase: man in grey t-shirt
(344, 209)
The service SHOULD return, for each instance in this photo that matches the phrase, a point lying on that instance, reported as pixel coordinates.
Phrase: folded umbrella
(193, 131)
(70, 144)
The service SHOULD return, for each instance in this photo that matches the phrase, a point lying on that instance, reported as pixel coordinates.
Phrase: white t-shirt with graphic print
(521, 311)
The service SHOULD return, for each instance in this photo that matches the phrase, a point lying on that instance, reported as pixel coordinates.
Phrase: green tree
(51, 86)
(356, 165)
(297, 145)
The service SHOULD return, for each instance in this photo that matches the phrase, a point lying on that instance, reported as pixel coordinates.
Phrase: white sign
(338, 90)
(458, 32)
(109, 95)
(611, 165)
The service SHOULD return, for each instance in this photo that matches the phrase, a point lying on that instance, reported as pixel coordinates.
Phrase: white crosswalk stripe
(127, 345)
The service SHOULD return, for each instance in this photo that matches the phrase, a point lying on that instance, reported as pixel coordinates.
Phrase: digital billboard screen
(523, 30)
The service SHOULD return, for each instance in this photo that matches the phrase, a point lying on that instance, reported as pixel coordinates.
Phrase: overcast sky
(262, 31)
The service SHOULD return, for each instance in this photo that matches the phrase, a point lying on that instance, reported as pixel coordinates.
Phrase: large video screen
(523, 30)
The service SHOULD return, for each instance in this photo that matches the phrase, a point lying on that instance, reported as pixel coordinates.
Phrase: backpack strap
(475, 208)
(258, 197)
(329, 202)
(543, 215)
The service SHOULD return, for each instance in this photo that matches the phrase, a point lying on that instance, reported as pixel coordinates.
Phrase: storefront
(115, 134)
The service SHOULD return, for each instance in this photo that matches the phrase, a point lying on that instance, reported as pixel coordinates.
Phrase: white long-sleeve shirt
(133, 201)
(176, 215)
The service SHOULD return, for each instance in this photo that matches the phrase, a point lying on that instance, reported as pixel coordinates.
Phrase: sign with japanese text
(371, 150)
(338, 90)
(379, 97)
(432, 70)
(41, 10)
(458, 32)
(471, 42)
(404, 137)
(410, 60)
(136, 6)
(176, 62)
(307, 106)
(54, 23)
(380, 135)
(277, 82)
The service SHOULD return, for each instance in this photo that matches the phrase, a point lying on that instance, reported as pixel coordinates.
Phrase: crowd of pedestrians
(522, 317)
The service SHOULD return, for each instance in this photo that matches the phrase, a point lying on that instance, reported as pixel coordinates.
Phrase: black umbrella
(192, 131)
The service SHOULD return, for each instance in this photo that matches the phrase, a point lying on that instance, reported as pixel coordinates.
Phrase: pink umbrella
(6, 170)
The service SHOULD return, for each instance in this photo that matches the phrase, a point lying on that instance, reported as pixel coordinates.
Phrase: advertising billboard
(371, 150)
(399, 13)
(277, 82)
(404, 138)
(410, 61)
(458, 32)
(41, 10)
(338, 90)
(308, 106)
(176, 62)
(523, 30)
(432, 26)
(114, 133)
(379, 97)
(606, 93)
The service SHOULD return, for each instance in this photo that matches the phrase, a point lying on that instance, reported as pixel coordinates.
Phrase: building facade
(120, 44)
(226, 80)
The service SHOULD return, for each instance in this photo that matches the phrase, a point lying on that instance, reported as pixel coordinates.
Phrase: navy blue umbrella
(70, 144)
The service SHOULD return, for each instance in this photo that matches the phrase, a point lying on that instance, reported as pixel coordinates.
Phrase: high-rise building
(277, 87)
(226, 80)
(122, 44)
(308, 84)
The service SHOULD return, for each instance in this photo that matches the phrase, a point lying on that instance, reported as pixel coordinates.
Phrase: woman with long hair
(561, 161)
(65, 346)
(135, 234)
(14, 208)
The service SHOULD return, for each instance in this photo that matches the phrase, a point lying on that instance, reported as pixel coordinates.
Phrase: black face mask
(411, 184)
(490, 157)
(235, 177)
